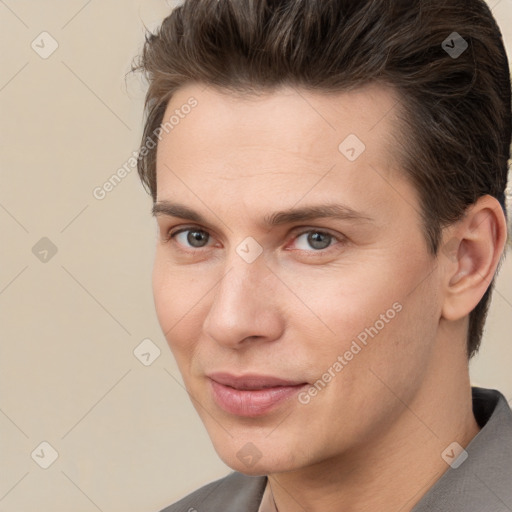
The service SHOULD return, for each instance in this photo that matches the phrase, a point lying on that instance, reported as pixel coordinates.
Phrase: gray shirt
(482, 483)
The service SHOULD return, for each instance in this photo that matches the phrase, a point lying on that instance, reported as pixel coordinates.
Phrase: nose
(244, 305)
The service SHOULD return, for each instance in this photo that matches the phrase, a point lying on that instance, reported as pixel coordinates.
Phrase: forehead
(288, 144)
(288, 118)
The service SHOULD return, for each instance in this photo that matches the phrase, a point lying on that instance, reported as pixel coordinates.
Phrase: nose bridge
(241, 306)
(246, 273)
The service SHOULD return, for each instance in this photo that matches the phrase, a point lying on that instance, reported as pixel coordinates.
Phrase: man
(328, 180)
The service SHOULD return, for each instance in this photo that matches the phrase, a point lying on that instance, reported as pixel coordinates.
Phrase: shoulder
(482, 480)
(232, 493)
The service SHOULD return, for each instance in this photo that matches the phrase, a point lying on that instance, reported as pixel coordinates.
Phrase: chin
(249, 460)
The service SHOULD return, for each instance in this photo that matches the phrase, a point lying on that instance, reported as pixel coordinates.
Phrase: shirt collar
(484, 480)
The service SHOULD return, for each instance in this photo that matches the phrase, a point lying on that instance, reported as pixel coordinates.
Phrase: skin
(372, 438)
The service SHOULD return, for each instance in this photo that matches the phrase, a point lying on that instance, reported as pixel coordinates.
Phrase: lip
(251, 395)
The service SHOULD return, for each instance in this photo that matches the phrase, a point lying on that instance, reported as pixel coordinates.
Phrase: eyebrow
(323, 211)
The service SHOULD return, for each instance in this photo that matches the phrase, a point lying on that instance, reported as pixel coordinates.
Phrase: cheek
(163, 293)
(390, 337)
(176, 296)
(372, 378)
(176, 289)
(370, 313)
(348, 303)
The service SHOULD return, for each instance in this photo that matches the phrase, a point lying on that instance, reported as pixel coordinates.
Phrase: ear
(469, 256)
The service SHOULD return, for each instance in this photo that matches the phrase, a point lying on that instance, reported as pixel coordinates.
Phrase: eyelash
(172, 234)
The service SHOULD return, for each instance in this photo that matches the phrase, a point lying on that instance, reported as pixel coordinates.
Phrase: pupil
(195, 236)
(315, 239)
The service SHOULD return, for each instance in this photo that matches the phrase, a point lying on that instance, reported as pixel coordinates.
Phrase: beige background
(126, 434)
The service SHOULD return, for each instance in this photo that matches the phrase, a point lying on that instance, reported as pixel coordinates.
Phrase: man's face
(344, 309)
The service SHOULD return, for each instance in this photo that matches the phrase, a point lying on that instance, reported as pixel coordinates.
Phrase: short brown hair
(454, 111)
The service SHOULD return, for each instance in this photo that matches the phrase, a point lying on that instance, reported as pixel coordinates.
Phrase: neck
(393, 471)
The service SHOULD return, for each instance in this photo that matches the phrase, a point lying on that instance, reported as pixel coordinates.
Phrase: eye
(316, 239)
(196, 238)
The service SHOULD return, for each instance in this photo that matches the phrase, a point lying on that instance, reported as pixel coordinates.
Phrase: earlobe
(475, 244)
